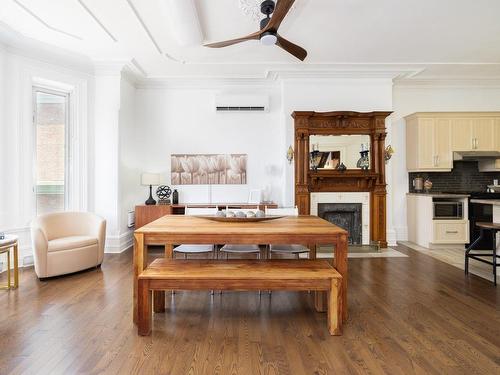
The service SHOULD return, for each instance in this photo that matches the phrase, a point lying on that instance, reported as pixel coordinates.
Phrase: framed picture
(208, 169)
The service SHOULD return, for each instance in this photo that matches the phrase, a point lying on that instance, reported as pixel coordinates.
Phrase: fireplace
(347, 216)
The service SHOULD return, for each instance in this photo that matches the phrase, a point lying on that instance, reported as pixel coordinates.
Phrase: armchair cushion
(71, 242)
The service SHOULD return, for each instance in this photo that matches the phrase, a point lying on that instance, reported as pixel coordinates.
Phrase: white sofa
(67, 242)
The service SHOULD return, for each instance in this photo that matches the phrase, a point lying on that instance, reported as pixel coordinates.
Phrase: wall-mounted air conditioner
(241, 103)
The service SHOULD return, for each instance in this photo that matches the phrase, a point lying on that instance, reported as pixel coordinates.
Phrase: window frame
(67, 139)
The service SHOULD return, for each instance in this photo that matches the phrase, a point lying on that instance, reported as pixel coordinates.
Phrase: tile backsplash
(465, 176)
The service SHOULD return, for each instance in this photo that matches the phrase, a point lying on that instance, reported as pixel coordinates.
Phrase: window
(51, 156)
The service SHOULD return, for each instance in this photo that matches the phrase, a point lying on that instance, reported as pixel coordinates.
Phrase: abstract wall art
(208, 169)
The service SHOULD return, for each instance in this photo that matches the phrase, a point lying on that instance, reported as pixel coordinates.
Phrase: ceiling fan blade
(226, 43)
(280, 12)
(291, 48)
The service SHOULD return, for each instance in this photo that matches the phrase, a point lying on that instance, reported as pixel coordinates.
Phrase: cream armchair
(67, 242)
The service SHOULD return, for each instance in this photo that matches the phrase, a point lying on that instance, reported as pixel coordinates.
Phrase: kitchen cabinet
(428, 144)
(450, 232)
(496, 133)
(461, 137)
(431, 233)
(476, 134)
(432, 137)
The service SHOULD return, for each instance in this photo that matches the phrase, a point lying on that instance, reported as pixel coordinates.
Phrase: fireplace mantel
(372, 181)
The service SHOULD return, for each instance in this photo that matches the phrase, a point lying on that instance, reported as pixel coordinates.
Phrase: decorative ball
(240, 214)
(163, 192)
(250, 214)
(230, 214)
(260, 213)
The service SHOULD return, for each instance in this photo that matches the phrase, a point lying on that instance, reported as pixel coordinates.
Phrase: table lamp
(150, 179)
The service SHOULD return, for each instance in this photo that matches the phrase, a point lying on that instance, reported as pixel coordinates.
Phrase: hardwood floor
(412, 315)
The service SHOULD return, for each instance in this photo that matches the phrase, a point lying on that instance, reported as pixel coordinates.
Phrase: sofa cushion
(72, 242)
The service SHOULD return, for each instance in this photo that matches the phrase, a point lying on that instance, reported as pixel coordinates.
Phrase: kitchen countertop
(440, 195)
(493, 202)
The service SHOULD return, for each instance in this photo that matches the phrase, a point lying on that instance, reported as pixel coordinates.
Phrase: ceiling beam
(97, 20)
(184, 21)
(39, 19)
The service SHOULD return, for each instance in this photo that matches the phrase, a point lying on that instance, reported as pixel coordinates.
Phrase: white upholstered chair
(187, 249)
(286, 248)
(67, 242)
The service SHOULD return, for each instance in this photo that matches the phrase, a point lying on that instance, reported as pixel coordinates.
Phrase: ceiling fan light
(268, 39)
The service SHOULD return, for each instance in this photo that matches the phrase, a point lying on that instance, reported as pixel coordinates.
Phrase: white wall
(183, 120)
(129, 181)
(427, 98)
(121, 131)
(19, 71)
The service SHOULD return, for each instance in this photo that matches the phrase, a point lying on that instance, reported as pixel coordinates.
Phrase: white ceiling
(445, 38)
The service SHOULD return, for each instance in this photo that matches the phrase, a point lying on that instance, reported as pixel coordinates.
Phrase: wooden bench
(169, 274)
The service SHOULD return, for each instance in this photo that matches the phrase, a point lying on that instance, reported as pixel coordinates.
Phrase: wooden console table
(146, 214)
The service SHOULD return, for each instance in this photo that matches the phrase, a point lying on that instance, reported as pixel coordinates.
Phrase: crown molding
(458, 82)
(275, 77)
(14, 43)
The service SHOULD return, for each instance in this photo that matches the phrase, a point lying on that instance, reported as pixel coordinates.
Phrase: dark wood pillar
(302, 194)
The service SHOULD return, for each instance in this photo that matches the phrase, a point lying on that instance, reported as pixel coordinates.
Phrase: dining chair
(187, 249)
(241, 249)
(295, 250)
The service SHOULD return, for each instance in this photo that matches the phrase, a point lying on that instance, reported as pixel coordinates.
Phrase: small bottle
(175, 197)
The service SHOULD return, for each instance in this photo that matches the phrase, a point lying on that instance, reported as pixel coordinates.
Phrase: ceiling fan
(268, 33)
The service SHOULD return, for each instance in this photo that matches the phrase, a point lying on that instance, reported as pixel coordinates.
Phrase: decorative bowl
(240, 219)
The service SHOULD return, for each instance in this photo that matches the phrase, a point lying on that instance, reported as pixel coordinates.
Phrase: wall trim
(401, 233)
(391, 237)
(118, 244)
(456, 83)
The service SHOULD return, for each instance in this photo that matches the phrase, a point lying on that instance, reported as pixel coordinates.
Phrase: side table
(6, 245)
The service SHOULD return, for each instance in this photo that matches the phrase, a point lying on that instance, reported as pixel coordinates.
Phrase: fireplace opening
(345, 215)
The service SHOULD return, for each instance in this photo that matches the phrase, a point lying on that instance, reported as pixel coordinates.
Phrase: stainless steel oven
(448, 209)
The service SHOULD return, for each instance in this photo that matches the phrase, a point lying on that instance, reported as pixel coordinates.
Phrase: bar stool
(492, 228)
(6, 244)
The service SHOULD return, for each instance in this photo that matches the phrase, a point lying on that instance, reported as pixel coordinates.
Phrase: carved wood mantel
(372, 180)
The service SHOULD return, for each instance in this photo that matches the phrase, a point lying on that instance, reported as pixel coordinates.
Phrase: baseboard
(118, 244)
(391, 237)
(26, 261)
(401, 233)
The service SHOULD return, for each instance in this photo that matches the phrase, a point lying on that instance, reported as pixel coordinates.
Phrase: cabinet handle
(452, 231)
(476, 143)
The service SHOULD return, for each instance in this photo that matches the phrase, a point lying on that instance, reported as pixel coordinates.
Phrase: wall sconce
(388, 153)
(289, 154)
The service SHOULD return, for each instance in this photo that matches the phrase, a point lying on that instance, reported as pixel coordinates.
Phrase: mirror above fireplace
(332, 150)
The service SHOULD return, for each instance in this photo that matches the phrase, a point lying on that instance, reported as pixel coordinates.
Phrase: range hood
(476, 155)
(488, 161)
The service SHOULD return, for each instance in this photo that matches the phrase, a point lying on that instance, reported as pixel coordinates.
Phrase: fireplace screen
(345, 215)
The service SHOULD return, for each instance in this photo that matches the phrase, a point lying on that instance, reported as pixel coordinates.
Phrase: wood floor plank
(412, 315)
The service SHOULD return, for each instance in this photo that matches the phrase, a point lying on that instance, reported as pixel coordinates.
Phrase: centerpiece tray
(240, 219)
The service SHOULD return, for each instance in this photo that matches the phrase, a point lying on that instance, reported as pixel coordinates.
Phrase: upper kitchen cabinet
(474, 134)
(432, 137)
(428, 143)
(496, 131)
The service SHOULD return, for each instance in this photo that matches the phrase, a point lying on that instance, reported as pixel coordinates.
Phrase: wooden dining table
(171, 230)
